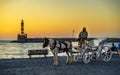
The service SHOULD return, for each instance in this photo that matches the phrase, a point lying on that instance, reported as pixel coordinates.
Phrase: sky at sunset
(58, 18)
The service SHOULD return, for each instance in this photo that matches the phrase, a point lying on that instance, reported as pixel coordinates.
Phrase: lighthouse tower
(22, 37)
(22, 26)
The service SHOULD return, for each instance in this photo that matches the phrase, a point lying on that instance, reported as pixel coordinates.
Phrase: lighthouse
(22, 37)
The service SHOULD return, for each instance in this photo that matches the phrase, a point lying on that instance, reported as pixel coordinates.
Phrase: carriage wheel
(75, 58)
(106, 54)
(86, 57)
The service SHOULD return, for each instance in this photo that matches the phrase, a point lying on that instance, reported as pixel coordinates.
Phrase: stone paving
(43, 66)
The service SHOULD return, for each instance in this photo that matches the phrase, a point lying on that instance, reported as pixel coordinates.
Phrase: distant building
(22, 37)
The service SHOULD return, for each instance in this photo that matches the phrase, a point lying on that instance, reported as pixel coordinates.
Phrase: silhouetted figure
(113, 48)
(83, 36)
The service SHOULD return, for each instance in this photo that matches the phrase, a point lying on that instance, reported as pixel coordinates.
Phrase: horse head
(46, 42)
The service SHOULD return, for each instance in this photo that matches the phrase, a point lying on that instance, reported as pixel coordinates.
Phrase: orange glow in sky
(58, 18)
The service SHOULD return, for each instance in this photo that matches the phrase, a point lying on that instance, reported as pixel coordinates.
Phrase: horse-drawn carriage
(86, 51)
(89, 51)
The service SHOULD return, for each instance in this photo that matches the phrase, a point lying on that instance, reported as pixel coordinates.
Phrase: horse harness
(60, 46)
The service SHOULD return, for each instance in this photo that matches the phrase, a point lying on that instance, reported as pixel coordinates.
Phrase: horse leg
(56, 59)
(68, 58)
(71, 57)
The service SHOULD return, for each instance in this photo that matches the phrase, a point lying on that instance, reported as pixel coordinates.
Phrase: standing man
(113, 48)
(82, 36)
(119, 49)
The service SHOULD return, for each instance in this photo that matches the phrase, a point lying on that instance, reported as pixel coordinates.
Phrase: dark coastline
(39, 40)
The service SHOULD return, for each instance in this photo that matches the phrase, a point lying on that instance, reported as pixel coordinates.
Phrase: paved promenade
(43, 66)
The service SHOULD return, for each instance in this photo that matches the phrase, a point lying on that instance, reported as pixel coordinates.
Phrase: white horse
(58, 47)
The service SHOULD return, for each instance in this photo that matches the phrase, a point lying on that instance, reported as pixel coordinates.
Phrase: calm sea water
(20, 50)
(17, 50)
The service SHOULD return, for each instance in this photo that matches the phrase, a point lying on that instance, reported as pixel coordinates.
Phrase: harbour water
(20, 50)
(17, 50)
